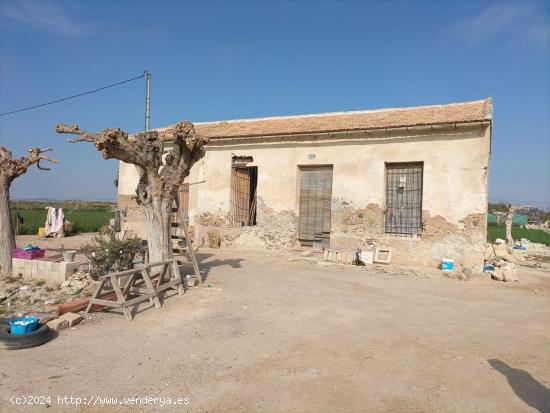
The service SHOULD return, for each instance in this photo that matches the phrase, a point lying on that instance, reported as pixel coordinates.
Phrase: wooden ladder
(180, 222)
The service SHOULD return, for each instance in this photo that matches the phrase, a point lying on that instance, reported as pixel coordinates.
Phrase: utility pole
(147, 101)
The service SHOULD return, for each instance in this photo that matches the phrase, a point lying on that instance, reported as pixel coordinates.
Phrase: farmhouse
(412, 179)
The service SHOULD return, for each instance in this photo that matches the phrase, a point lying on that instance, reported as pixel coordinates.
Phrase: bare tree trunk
(509, 222)
(162, 171)
(158, 214)
(6, 233)
(10, 169)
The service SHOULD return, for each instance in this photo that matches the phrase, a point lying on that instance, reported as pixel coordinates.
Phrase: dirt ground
(265, 334)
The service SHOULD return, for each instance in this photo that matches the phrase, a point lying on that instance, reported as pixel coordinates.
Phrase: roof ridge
(343, 113)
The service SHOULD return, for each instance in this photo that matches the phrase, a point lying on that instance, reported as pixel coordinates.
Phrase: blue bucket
(23, 325)
(447, 264)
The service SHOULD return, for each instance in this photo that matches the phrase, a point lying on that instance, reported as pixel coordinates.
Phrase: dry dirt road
(269, 335)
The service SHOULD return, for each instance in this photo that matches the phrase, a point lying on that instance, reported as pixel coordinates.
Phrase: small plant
(108, 254)
(214, 239)
(39, 283)
(12, 279)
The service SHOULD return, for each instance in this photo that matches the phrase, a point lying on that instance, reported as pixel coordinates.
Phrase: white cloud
(43, 15)
(515, 21)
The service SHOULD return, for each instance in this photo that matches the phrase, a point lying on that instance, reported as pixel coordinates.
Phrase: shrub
(214, 239)
(109, 254)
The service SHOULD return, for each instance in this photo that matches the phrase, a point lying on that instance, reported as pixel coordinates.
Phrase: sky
(242, 59)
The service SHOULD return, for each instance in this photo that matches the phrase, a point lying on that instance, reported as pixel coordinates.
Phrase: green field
(533, 235)
(87, 218)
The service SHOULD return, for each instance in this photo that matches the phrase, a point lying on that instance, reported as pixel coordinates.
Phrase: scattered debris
(382, 255)
(71, 318)
(58, 324)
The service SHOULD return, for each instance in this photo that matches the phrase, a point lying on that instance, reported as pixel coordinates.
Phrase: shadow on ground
(206, 265)
(524, 385)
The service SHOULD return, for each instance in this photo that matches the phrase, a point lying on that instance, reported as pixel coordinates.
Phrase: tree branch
(12, 168)
(161, 172)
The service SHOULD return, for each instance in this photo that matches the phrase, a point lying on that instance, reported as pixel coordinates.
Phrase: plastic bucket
(68, 256)
(447, 264)
(23, 325)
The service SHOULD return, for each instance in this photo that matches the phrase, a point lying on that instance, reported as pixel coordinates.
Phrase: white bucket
(447, 264)
(68, 256)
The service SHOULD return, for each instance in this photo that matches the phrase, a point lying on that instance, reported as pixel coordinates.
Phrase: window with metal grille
(403, 213)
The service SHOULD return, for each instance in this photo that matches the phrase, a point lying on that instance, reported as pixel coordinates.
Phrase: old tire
(10, 342)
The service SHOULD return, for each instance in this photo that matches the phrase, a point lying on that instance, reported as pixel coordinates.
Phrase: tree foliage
(109, 254)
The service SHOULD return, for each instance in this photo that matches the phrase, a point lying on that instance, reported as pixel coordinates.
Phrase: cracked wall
(454, 201)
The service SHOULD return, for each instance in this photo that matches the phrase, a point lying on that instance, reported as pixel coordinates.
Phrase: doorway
(314, 209)
(244, 182)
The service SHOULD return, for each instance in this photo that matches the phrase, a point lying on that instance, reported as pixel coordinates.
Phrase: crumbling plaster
(455, 161)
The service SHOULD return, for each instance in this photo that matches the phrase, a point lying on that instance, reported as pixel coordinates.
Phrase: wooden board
(315, 200)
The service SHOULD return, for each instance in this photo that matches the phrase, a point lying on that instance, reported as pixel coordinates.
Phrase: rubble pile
(208, 219)
(501, 260)
(535, 249)
(19, 296)
(504, 271)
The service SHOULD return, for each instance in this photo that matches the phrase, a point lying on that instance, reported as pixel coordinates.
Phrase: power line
(89, 92)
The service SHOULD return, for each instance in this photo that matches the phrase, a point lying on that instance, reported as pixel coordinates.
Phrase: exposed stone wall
(364, 228)
(454, 192)
(274, 229)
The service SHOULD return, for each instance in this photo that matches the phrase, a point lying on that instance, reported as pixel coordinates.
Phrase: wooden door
(244, 182)
(314, 211)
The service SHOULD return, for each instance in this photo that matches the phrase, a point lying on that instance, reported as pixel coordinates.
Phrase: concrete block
(71, 318)
(58, 324)
(68, 269)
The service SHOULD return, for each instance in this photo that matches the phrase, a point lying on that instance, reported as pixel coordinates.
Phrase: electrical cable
(75, 96)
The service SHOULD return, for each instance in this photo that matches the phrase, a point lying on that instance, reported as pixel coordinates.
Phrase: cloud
(515, 21)
(43, 15)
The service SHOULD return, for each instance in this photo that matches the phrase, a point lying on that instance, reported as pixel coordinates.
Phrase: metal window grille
(315, 200)
(243, 195)
(403, 213)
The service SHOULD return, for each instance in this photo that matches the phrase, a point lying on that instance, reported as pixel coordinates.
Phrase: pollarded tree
(163, 160)
(10, 169)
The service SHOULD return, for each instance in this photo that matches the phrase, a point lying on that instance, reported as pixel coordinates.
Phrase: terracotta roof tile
(348, 121)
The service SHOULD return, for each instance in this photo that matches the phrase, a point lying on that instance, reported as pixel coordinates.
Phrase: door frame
(299, 168)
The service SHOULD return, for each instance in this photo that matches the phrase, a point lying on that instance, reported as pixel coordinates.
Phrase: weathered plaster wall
(454, 186)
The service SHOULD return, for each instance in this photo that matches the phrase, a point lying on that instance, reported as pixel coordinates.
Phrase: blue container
(488, 268)
(23, 325)
(447, 264)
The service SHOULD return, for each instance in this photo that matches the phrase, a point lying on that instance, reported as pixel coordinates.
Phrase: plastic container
(27, 255)
(447, 264)
(68, 256)
(488, 268)
(23, 325)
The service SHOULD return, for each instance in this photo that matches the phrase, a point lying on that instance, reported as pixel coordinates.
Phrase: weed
(534, 235)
